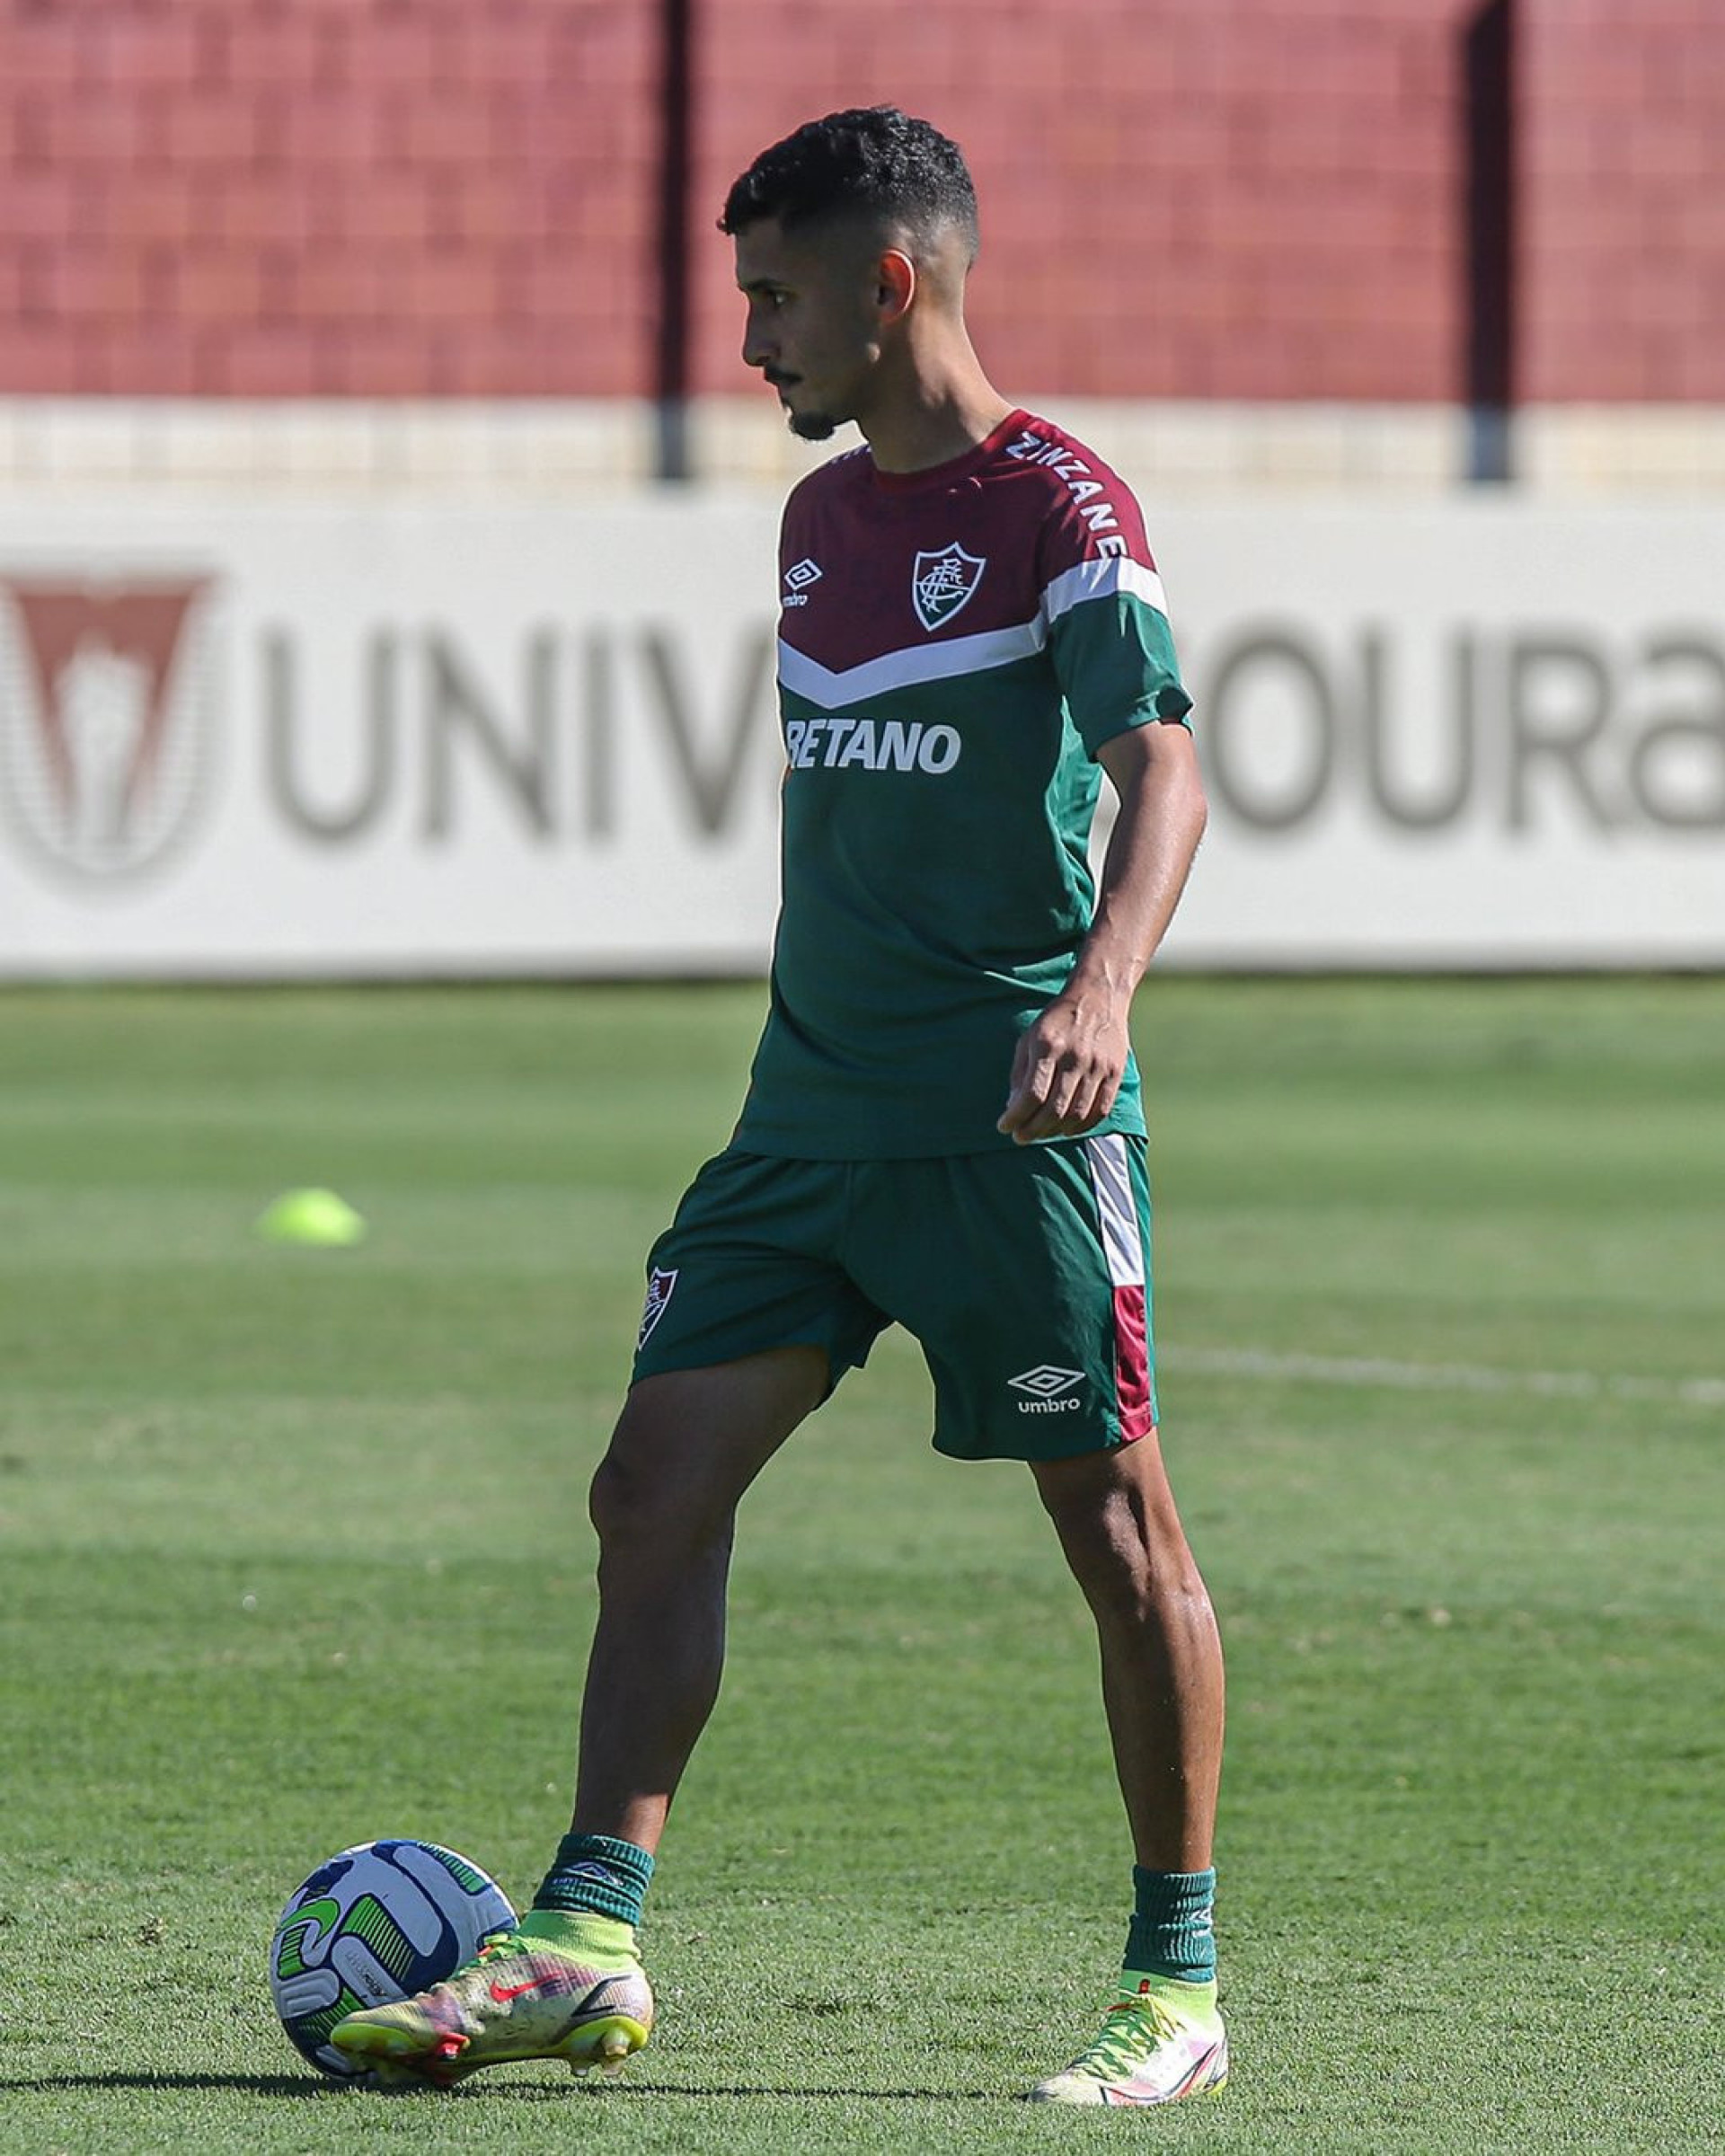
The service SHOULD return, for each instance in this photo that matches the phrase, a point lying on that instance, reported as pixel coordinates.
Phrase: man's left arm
(1067, 1070)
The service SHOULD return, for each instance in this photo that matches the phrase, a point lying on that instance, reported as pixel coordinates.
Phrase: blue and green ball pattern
(377, 1923)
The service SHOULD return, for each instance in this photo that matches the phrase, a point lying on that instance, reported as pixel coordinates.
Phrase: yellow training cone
(317, 1217)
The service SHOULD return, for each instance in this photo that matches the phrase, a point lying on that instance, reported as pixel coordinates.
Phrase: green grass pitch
(293, 1552)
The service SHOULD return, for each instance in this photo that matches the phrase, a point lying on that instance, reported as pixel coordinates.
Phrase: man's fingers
(1074, 1105)
(1059, 1086)
(1072, 1082)
(1032, 1076)
(1092, 1101)
(1022, 1103)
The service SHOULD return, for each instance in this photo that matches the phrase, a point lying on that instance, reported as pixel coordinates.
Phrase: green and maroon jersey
(955, 646)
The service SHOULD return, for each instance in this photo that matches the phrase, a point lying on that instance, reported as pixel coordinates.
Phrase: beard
(806, 426)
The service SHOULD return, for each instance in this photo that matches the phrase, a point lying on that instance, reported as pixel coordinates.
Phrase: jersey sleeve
(1105, 614)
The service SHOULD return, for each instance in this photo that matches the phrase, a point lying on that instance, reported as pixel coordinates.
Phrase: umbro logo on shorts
(1046, 1378)
(1047, 1383)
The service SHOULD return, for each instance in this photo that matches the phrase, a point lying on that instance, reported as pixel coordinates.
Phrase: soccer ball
(380, 1922)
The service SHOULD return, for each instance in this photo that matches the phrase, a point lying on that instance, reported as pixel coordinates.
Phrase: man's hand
(1067, 1068)
(1067, 1072)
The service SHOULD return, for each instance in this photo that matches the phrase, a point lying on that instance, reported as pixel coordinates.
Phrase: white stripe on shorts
(1112, 1181)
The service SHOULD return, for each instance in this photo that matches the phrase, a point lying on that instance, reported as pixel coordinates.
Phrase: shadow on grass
(639, 2091)
(633, 2092)
(254, 2084)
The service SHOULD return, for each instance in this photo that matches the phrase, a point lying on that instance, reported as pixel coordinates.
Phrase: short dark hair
(872, 161)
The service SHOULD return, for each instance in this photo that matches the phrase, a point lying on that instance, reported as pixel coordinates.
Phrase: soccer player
(943, 1128)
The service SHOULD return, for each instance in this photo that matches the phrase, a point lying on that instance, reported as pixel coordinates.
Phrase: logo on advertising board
(105, 718)
(944, 582)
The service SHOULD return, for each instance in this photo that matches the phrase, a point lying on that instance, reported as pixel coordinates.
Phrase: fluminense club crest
(104, 716)
(944, 582)
(658, 1294)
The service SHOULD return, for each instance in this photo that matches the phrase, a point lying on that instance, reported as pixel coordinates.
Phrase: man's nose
(760, 347)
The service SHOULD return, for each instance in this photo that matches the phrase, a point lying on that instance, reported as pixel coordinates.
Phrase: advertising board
(280, 742)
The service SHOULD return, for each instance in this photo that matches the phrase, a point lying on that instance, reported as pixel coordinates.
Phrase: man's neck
(934, 423)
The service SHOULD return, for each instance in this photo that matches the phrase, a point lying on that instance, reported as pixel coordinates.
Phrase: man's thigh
(1025, 1275)
(750, 1264)
(688, 1443)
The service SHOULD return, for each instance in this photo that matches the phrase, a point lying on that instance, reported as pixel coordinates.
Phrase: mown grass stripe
(1441, 1377)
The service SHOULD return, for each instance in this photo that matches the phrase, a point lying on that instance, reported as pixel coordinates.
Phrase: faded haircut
(871, 162)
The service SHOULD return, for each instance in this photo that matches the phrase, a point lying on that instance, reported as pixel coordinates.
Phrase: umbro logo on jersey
(1048, 1382)
(944, 582)
(797, 577)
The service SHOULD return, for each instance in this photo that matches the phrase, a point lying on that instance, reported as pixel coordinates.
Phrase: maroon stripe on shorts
(1132, 1365)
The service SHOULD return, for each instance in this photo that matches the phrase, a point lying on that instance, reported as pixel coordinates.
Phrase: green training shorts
(1024, 1273)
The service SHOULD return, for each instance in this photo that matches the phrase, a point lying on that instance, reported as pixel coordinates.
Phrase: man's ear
(895, 285)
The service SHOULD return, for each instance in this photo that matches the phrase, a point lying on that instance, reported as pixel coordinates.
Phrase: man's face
(813, 327)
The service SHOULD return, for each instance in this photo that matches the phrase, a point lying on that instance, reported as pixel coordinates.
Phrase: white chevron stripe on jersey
(918, 663)
(1102, 580)
(807, 677)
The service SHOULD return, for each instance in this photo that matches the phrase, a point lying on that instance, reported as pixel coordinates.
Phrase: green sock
(1172, 1933)
(594, 1873)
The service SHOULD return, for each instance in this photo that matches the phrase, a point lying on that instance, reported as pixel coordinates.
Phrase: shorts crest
(658, 1294)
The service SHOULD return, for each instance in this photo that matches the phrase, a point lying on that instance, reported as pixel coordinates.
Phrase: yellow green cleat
(1160, 2042)
(554, 1987)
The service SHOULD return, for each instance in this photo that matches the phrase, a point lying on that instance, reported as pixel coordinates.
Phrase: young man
(943, 1126)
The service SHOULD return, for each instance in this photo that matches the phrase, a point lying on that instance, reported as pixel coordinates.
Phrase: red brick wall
(1241, 199)
(1237, 198)
(360, 197)
(1623, 261)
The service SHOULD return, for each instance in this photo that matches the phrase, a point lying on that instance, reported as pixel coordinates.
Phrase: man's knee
(678, 1462)
(689, 1443)
(619, 1500)
(1120, 1532)
(639, 1497)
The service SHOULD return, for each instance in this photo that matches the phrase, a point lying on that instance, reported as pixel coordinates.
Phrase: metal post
(671, 355)
(1489, 208)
